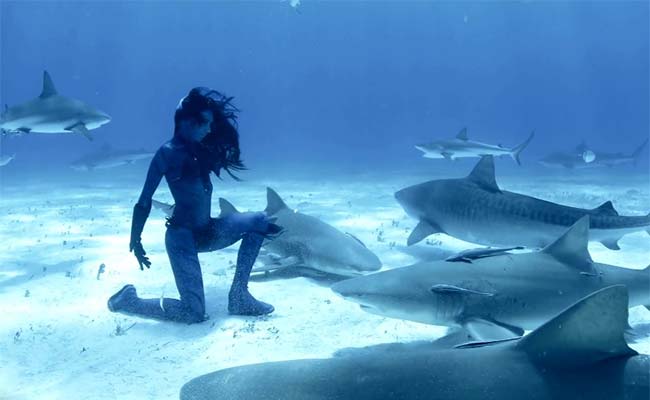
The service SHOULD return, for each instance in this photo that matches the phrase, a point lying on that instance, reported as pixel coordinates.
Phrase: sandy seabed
(59, 341)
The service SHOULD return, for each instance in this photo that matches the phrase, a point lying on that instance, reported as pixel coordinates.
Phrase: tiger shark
(305, 242)
(492, 294)
(579, 354)
(462, 146)
(476, 210)
(52, 113)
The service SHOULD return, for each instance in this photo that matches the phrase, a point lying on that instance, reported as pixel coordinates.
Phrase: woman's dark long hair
(220, 148)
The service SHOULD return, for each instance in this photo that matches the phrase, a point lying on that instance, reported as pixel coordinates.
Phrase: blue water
(333, 97)
(338, 84)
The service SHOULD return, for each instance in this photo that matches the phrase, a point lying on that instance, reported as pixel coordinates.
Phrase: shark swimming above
(476, 210)
(305, 242)
(495, 295)
(579, 354)
(462, 147)
(110, 158)
(52, 113)
(587, 158)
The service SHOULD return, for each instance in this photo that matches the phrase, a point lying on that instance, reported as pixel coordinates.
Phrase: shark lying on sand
(495, 295)
(579, 354)
(311, 243)
(461, 147)
(52, 113)
(476, 210)
(109, 158)
(306, 242)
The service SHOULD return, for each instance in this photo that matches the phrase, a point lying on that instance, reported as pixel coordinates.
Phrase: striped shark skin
(492, 294)
(475, 209)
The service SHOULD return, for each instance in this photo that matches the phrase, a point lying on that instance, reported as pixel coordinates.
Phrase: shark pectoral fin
(587, 332)
(447, 155)
(226, 207)
(488, 330)
(611, 244)
(421, 231)
(571, 248)
(80, 128)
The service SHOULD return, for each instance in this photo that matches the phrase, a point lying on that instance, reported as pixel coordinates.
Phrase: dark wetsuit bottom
(183, 246)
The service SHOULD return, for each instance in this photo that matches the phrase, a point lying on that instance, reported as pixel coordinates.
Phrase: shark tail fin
(637, 153)
(587, 332)
(227, 207)
(518, 149)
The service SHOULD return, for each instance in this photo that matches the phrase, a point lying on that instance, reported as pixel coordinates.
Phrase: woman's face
(201, 130)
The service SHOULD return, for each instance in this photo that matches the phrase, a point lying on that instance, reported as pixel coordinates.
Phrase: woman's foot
(241, 302)
(125, 295)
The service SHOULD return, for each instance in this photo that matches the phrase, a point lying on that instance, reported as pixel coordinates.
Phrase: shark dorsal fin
(48, 86)
(462, 135)
(226, 207)
(589, 331)
(607, 208)
(483, 174)
(571, 248)
(274, 202)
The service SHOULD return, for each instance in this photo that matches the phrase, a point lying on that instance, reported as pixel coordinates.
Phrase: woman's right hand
(140, 254)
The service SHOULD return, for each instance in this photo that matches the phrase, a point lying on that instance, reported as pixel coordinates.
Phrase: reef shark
(52, 113)
(461, 146)
(305, 242)
(579, 160)
(579, 354)
(109, 158)
(493, 294)
(476, 210)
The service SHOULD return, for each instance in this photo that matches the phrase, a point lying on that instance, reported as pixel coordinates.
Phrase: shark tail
(518, 149)
(637, 153)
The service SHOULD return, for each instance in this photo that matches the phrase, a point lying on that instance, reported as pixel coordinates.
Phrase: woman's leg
(252, 228)
(182, 253)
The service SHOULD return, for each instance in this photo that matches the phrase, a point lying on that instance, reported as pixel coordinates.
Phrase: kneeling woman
(205, 140)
